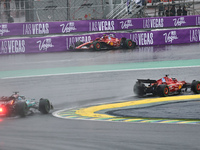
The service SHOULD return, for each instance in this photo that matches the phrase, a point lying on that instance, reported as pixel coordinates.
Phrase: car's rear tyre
(129, 44)
(22, 109)
(96, 45)
(122, 43)
(195, 87)
(163, 90)
(44, 106)
(139, 89)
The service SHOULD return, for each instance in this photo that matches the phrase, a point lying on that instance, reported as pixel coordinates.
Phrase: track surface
(45, 132)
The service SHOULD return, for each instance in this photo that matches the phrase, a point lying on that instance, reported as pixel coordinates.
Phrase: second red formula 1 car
(164, 87)
(105, 42)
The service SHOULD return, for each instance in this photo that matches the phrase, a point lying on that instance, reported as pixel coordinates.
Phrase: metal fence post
(29, 11)
(103, 8)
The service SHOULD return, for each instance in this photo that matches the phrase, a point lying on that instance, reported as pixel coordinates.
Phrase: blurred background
(19, 11)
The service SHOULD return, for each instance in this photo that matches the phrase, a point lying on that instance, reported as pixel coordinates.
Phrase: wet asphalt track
(45, 132)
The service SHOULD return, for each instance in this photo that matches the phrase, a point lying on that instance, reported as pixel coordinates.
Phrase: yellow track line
(91, 111)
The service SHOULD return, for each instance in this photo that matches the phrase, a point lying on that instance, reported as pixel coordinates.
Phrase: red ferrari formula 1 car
(164, 87)
(105, 42)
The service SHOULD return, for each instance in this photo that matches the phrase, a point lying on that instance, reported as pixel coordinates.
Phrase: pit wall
(63, 41)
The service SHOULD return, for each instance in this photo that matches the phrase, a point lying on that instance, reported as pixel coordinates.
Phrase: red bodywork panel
(172, 83)
(4, 102)
(115, 42)
(84, 44)
(111, 41)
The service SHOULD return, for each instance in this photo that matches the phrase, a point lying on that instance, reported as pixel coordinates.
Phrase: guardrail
(63, 43)
(47, 28)
(70, 10)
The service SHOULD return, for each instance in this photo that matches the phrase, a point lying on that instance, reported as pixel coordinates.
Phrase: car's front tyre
(97, 45)
(44, 106)
(129, 44)
(195, 87)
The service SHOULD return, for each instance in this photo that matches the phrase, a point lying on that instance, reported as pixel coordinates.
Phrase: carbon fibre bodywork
(18, 105)
(105, 42)
(164, 86)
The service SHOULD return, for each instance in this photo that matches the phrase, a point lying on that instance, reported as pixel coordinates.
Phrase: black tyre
(163, 90)
(22, 109)
(139, 89)
(44, 106)
(129, 44)
(97, 45)
(195, 87)
(123, 43)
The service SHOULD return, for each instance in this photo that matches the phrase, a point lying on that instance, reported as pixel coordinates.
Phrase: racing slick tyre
(139, 89)
(195, 87)
(44, 106)
(163, 90)
(129, 44)
(22, 109)
(123, 43)
(97, 45)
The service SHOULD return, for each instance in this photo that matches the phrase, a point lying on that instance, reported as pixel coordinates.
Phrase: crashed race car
(164, 87)
(105, 42)
(16, 105)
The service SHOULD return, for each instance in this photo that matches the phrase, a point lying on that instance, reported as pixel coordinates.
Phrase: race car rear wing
(146, 81)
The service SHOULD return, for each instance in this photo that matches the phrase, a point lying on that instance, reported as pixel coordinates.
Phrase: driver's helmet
(19, 98)
(174, 79)
(104, 35)
(111, 35)
(15, 96)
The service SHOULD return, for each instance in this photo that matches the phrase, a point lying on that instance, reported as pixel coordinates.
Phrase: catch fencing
(19, 11)
(54, 10)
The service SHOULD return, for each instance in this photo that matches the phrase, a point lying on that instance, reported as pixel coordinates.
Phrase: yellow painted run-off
(90, 111)
(98, 112)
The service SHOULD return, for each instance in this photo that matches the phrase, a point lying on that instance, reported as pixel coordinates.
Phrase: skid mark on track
(98, 112)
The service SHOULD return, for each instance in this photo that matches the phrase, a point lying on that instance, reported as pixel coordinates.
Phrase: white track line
(91, 72)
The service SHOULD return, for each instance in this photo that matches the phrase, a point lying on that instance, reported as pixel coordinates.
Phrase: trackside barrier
(62, 43)
(46, 28)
